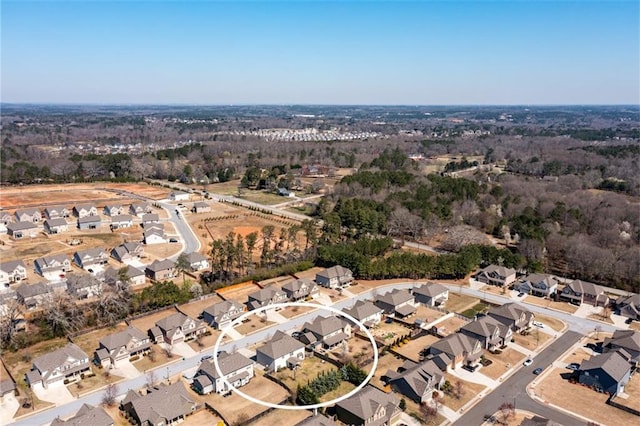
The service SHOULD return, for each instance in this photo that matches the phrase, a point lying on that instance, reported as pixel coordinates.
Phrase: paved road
(514, 389)
(190, 241)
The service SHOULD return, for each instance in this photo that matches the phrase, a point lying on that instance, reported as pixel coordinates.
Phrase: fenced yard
(307, 371)
(460, 302)
(412, 349)
(89, 342)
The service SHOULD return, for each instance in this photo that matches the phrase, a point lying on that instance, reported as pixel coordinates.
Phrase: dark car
(573, 366)
(173, 240)
(537, 371)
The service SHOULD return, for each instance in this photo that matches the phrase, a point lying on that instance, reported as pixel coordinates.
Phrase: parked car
(527, 362)
(573, 366)
(173, 240)
(538, 324)
(537, 371)
(206, 357)
(520, 294)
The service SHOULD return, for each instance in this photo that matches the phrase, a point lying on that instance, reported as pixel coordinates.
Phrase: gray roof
(228, 364)
(86, 206)
(395, 297)
(121, 218)
(280, 345)
(122, 338)
(222, 308)
(511, 311)
(21, 226)
(92, 253)
(615, 364)
(139, 206)
(266, 294)
(87, 415)
(174, 321)
(538, 278)
(455, 344)
(323, 326)
(362, 309)
(365, 403)
(123, 249)
(149, 217)
(7, 385)
(54, 359)
(48, 261)
(584, 287)
(11, 265)
(485, 327)
(430, 289)
(31, 290)
(627, 339)
(418, 377)
(500, 270)
(90, 219)
(296, 285)
(57, 209)
(30, 211)
(199, 204)
(196, 257)
(58, 221)
(168, 402)
(161, 265)
(318, 420)
(337, 271)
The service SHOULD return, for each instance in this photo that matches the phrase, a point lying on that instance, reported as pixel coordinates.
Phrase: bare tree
(151, 378)
(110, 394)
(507, 411)
(8, 319)
(458, 389)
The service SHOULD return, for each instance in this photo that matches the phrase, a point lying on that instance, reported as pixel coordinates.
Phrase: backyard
(238, 292)
(194, 309)
(281, 417)
(460, 302)
(386, 362)
(389, 332)
(89, 342)
(412, 349)
(146, 322)
(307, 371)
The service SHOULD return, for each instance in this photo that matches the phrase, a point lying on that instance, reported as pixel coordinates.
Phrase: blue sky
(316, 52)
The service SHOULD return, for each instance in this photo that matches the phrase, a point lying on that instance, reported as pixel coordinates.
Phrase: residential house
(201, 207)
(222, 314)
(52, 267)
(280, 352)
(87, 223)
(68, 363)
(113, 209)
(365, 312)
(56, 212)
(28, 215)
(121, 221)
(317, 420)
(331, 331)
(266, 296)
(84, 287)
(56, 226)
(491, 333)
(608, 372)
(578, 292)
(124, 345)
(300, 289)
(136, 276)
(543, 285)
(629, 340)
(416, 381)
(197, 261)
(132, 276)
(431, 294)
(33, 295)
(154, 236)
(516, 316)
(84, 210)
(398, 302)
(335, 277)
(19, 230)
(127, 252)
(86, 415)
(179, 196)
(12, 271)
(179, 327)
(497, 275)
(90, 258)
(235, 367)
(139, 209)
(371, 407)
(457, 348)
(7, 387)
(160, 406)
(5, 217)
(629, 306)
(160, 270)
(150, 219)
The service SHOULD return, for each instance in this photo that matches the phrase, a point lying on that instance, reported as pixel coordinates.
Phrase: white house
(113, 210)
(154, 236)
(19, 230)
(280, 352)
(68, 363)
(52, 267)
(179, 196)
(365, 312)
(56, 226)
(431, 294)
(121, 221)
(197, 261)
(335, 277)
(235, 367)
(13, 271)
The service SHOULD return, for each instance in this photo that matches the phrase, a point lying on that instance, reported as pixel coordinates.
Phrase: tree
(428, 412)
(458, 389)
(403, 404)
(12, 313)
(183, 265)
(110, 395)
(507, 411)
(266, 257)
(251, 240)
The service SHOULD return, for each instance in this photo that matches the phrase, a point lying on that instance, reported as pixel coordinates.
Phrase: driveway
(125, 369)
(475, 377)
(272, 315)
(323, 299)
(182, 349)
(56, 393)
(8, 408)
(585, 310)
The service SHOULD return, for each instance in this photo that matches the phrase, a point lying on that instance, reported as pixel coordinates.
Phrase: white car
(538, 324)
(527, 362)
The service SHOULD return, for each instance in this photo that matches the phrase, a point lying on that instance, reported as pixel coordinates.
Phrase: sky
(320, 52)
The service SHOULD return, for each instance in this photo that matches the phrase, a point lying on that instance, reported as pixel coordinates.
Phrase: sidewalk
(476, 377)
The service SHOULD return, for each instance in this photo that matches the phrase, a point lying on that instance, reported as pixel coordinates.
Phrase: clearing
(460, 302)
(412, 349)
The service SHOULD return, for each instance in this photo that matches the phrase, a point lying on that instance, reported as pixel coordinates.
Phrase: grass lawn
(160, 358)
(554, 323)
(89, 342)
(633, 390)
(194, 309)
(208, 340)
(469, 390)
(532, 341)
(262, 197)
(413, 407)
(581, 400)
(386, 362)
(90, 384)
(357, 289)
(118, 416)
(599, 317)
(412, 349)
(561, 306)
(343, 389)
(252, 324)
(280, 417)
(502, 362)
(471, 313)
(460, 302)
(308, 370)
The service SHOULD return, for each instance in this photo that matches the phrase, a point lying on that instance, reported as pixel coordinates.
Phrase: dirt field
(533, 340)
(278, 281)
(428, 314)
(194, 309)
(146, 322)
(451, 325)
(294, 311)
(502, 362)
(460, 302)
(281, 417)
(412, 349)
(202, 417)
(252, 324)
(239, 292)
(561, 306)
(389, 332)
(309, 273)
(91, 341)
(235, 407)
(581, 400)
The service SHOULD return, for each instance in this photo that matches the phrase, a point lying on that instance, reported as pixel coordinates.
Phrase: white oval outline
(216, 349)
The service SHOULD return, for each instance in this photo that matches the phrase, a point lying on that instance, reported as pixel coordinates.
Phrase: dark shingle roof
(280, 345)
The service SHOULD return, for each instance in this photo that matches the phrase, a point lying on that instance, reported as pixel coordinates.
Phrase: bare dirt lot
(450, 325)
(427, 314)
(581, 399)
(238, 292)
(202, 417)
(412, 349)
(146, 322)
(309, 273)
(194, 309)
